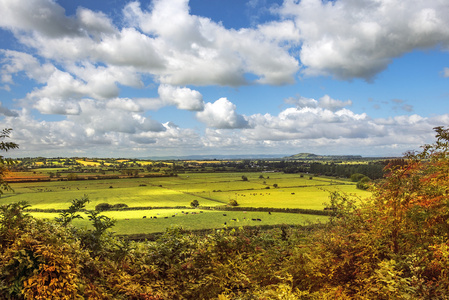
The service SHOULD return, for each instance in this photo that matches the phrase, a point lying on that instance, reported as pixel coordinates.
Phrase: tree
(5, 162)
(233, 202)
(73, 212)
(356, 177)
(244, 178)
(103, 206)
(394, 244)
(363, 183)
(194, 203)
(72, 176)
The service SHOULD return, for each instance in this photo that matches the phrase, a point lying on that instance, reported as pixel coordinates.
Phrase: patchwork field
(132, 222)
(271, 190)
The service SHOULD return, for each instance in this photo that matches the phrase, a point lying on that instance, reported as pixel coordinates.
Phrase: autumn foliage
(391, 246)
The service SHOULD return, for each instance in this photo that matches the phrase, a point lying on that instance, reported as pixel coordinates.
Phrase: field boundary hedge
(201, 232)
(219, 208)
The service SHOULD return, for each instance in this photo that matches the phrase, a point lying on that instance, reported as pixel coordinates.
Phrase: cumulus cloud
(325, 102)
(110, 117)
(14, 62)
(124, 104)
(322, 131)
(84, 65)
(46, 17)
(309, 123)
(7, 112)
(57, 107)
(221, 114)
(358, 39)
(200, 51)
(294, 129)
(182, 98)
(187, 49)
(332, 104)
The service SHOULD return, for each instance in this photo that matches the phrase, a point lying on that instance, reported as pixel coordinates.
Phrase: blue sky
(175, 77)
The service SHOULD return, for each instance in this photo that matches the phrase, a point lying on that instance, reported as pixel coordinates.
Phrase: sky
(155, 78)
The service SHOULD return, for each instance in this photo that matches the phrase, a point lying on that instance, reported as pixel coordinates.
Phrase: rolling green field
(210, 189)
(132, 222)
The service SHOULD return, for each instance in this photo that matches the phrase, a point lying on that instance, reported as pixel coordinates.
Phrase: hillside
(311, 156)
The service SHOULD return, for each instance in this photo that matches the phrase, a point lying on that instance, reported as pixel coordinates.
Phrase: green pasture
(132, 222)
(306, 197)
(59, 194)
(210, 189)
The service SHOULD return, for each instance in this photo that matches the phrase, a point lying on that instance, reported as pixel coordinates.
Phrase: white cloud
(302, 102)
(95, 22)
(222, 115)
(310, 123)
(332, 104)
(121, 132)
(44, 16)
(182, 98)
(358, 39)
(7, 112)
(15, 62)
(200, 51)
(187, 49)
(84, 65)
(57, 107)
(124, 104)
(130, 48)
(325, 102)
(111, 117)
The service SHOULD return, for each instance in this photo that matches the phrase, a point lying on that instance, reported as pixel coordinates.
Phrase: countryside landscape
(300, 227)
(224, 150)
(149, 196)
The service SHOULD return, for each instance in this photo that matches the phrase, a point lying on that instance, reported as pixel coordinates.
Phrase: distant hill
(218, 157)
(311, 156)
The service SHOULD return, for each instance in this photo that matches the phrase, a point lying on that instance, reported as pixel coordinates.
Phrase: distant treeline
(372, 170)
(338, 168)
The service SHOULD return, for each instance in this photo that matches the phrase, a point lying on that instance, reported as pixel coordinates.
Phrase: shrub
(119, 206)
(363, 183)
(103, 206)
(356, 177)
(233, 203)
(72, 176)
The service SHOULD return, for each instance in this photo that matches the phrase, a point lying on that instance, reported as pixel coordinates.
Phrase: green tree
(356, 177)
(363, 183)
(233, 202)
(72, 176)
(73, 211)
(5, 162)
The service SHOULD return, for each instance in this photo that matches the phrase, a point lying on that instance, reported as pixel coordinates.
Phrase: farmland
(165, 201)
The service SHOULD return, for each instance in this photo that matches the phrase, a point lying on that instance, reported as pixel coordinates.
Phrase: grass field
(213, 189)
(210, 189)
(132, 222)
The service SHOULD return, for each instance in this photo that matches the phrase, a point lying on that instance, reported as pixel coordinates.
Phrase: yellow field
(88, 163)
